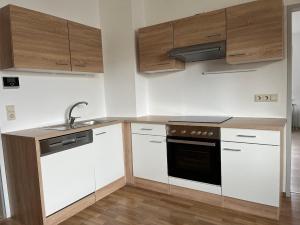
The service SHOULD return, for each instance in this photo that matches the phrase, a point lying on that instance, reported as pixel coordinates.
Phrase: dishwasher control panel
(63, 143)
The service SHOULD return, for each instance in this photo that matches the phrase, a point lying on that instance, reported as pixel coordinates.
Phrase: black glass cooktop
(200, 119)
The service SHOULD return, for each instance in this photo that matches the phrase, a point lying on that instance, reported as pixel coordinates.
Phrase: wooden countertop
(276, 124)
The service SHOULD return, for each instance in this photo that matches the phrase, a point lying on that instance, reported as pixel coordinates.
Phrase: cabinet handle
(200, 143)
(68, 142)
(100, 133)
(146, 129)
(238, 54)
(156, 142)
(61, 64)
(246, 136)
(213, 35)
(232, 149)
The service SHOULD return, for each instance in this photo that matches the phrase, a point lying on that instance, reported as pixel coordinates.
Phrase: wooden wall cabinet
(200, 29)
(154, 44)
(255, 32)
(85, 48)
(31, 40)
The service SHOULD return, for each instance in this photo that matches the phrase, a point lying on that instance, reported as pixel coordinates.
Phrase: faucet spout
(72, 118)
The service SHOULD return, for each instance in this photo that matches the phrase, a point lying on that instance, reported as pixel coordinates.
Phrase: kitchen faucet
(73, 118)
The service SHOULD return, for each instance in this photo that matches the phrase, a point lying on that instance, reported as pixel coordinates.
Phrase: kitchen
(122, 93)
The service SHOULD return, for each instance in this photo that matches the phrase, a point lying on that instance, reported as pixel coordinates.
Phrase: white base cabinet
(251, 172)
(108, 155)
(150, 156)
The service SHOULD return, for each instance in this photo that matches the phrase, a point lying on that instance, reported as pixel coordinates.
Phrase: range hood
(201, 52)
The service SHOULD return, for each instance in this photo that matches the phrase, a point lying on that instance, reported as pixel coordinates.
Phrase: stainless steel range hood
(201, 52)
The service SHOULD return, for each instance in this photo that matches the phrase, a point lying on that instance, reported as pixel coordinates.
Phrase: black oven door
(194, 159)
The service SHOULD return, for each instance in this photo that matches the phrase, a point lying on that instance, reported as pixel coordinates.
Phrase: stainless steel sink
(64, 127)
(88, 123)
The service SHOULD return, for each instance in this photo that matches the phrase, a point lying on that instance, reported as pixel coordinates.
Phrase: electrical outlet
(10, 112)
(266, 98)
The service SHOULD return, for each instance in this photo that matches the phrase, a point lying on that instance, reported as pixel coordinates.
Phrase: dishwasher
(67, 170)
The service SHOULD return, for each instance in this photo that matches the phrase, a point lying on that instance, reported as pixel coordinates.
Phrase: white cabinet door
(67, 177)
(251, 172)
(109, 155)
(150, 157)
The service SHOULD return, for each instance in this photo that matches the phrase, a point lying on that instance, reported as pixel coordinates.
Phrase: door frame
(290, 10)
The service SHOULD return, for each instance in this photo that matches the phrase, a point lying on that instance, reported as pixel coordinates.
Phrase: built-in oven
(194, 153)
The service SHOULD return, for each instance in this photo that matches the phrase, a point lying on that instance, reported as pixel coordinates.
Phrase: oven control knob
(173, 131)
(204, 133)
(210, 134)
(183, 132)
(199, 133)
(193, 132)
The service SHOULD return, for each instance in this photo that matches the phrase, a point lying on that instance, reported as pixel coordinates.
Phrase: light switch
(10, 112)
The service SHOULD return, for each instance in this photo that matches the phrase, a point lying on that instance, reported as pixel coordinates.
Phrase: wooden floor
(132, 206)
(295, 180)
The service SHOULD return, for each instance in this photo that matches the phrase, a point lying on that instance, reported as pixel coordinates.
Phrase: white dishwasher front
(67, 170)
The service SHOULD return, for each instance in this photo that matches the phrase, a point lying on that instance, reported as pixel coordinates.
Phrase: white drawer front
(107, 129)
(148, 129)
(251, 136)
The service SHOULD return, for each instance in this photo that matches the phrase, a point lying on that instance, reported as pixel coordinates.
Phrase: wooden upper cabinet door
(86, 48)
(39, 41)
(255, 32)
(154, 44)
(200, 29)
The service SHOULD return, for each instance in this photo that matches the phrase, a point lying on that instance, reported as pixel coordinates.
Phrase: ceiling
(296, 22)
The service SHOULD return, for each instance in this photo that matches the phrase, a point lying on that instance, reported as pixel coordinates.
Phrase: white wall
(190, 93)
(296, 69)
(141, 81)
(296, 58)
(43, 98)
(119, 57)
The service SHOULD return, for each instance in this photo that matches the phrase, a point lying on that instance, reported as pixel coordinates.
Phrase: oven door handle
(192, 142)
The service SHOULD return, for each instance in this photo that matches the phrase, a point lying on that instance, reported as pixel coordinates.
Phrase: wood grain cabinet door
(200, 29)
(39, 41)
(154, 44)
(86, 48)
(255, 32)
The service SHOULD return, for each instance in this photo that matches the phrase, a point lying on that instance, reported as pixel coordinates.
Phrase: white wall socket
(10, 112)
(266, 98)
